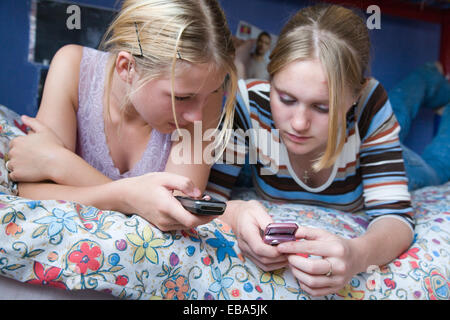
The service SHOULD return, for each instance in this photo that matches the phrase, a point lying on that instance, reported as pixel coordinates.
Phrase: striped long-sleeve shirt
(368, 175)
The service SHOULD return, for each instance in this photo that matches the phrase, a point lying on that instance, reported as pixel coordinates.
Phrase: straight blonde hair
(338, 37)
(164, 34)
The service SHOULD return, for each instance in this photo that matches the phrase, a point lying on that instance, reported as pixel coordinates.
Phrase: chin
(299, 149)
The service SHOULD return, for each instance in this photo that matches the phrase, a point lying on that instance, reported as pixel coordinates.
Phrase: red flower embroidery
(390, 284)
(47, 277)
(121, 280)
(411, 252)
(85, 258)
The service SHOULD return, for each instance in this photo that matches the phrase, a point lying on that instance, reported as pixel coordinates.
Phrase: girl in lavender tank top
(102, 136)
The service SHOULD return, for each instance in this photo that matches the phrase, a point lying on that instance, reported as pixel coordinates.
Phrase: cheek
(322, 125)
(279, 114)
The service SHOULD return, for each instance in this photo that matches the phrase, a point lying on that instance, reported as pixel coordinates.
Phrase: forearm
(384, 241)
(104, 197)
(70, 169)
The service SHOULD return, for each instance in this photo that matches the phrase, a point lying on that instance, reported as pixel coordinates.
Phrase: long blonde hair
(338, 37)
(160, 33)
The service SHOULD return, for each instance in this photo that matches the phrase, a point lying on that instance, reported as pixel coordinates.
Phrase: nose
(301, 120)
(194, 113)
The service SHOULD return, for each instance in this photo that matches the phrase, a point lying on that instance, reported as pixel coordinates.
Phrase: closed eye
(182, 98)
(287, 100)
(322, 108)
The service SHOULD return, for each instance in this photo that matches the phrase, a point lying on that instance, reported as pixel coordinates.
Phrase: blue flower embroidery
(223, 246)
(33, 204)
(221, 283)
(58, 221)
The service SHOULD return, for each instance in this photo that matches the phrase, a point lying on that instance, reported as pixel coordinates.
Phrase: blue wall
(19, 78)
(398, 47)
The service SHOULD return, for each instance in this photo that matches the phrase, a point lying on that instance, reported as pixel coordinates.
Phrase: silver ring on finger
(330, 272)
(7, 166)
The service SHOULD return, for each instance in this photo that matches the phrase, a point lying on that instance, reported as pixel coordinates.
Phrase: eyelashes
(321, 108)
(182, 98)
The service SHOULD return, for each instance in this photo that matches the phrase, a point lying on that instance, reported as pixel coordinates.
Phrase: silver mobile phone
(203, 207)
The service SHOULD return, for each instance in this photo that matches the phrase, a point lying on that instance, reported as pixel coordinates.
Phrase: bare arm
(54, 131)
(384, 241)
(149, 195)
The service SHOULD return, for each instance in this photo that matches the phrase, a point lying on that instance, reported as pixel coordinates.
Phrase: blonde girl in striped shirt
(339, 148)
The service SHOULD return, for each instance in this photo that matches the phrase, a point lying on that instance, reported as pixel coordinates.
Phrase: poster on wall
(252, 56)
(247, 31)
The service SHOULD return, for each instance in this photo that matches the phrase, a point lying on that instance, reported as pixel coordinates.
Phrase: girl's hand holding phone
(151, 196)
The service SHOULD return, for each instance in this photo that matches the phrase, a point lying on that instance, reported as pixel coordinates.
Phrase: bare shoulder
(72, 52)
(67, 61)
(63, 75)
(59, 102)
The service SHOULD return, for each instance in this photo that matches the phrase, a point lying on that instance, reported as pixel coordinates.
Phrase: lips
(181, 125)
(297, 138)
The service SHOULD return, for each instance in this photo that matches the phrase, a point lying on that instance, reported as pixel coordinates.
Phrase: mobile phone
(277, 233)
(203, 207)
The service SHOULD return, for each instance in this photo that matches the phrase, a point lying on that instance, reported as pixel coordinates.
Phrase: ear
(125, 66)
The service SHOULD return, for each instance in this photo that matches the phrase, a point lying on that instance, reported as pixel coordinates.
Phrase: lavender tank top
(91, 139)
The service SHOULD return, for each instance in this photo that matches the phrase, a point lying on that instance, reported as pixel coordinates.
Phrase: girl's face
(300, 105)
(194, 86)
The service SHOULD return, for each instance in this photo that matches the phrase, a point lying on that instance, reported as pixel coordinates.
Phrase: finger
(168, 224)
(34, 124)
(177, 182)
(310, 266)
(309, 233)
(13, 142)
(184, 217)
(261, 251)
(311, 247)
(318, 292)
(272, 257)
(268, 267)
(262, 263)
(264, 220)
(313, 283)
(258, 247)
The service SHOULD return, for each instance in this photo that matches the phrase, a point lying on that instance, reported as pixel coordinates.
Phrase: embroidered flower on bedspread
(224, 247)
(58, 221)
(47, 277)
(146, 245)
(176, 287)
(88, 257)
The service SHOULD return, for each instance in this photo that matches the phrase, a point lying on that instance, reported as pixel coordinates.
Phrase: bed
(72, 251)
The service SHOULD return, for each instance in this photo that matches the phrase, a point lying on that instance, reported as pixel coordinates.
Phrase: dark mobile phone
(203, 207)
(277, 233)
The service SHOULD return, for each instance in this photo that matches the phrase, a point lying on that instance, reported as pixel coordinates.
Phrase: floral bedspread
(74, 247)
